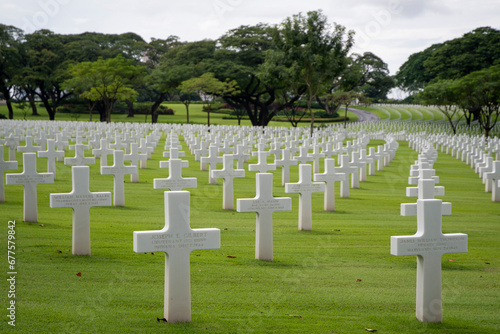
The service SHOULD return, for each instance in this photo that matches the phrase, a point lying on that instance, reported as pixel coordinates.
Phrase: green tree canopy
(105, 80)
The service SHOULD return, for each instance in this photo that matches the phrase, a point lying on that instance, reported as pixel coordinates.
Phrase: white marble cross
(429, 244)
(305, 187)
(363, 157)
(315, 156)
(425, 190)
(80, 159)
(12, 142)
(330, 176)
(103, 151)
(345, 168)
(493, 177)
(303, 156)
(4, 166)
(51, 154)
(30, 179)
(264, 204)
(212, 160)
(177, 240)
(118, 170)
(285, 164)
(241, 156)
(80, 199)
(261, 166)
(175, 181)
(228, 173)
(135, 157)
(29, 147)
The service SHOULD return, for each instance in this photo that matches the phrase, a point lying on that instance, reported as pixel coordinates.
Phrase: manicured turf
(338, 278)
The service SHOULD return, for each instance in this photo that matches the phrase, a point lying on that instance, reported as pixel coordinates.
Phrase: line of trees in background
(460, 76)
(261, 70)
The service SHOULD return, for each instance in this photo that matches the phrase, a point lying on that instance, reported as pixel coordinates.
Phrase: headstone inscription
(80, 159)
(30, 179)
(80, 199)
(305, 187)
(264, 204)
(177, 240)
(4, 166)
(175, 181)
(228, 173)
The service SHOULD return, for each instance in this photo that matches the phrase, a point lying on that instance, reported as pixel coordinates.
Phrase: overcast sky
(392, 29)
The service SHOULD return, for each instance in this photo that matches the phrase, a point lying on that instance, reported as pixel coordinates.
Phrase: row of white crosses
(476, 151)
(429, 244)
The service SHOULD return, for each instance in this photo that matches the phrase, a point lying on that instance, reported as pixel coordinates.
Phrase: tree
(238, 58)
(181, 62)
(345, 98)
(443, 95)
(311, 51)
(452, 59)
(208, 87)
(106, 81)
(10, 61)
(481, 90)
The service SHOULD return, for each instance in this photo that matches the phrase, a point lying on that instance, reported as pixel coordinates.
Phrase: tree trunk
(309, 102)
(130, 106)
(11, 110)
(31, 99)
(155, 106)
(50, 109)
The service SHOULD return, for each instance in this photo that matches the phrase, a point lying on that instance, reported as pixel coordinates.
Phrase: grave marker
(175, 181)
(118, 170)
(261, 166)
(30, 179)
(330, 176)
(429, 244)
(51, 154)
(264, 204)
(80, 199)
(285, 164)
(305, 187)
(4, 166)
(177, 240)
(228, 173)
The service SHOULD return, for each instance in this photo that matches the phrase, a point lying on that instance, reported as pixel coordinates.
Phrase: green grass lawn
(196, 116)
(338, 278)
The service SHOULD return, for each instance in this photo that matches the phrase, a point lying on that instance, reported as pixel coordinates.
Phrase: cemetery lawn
(196, 116)
(338, 278)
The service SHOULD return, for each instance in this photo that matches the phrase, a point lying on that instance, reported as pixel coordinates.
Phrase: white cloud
(392, 29)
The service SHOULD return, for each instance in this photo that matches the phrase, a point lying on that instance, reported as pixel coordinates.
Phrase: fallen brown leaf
(359, 280)
(231, 257)
(79, 274)
(451, 260)
(295, 315)
(370, 330)
(487, 263)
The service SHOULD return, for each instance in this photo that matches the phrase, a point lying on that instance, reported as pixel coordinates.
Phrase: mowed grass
(196, 116)
(338, 278)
